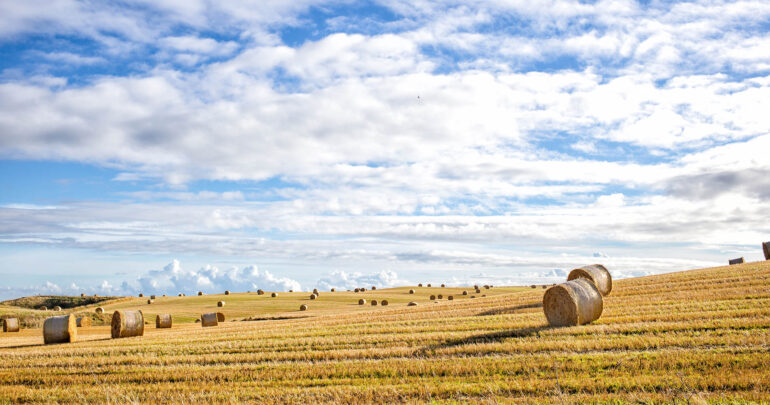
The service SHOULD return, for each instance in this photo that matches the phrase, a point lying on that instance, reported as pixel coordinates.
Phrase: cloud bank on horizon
(346, 142)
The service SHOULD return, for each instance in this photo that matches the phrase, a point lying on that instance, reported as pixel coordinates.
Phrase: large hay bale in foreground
(736, 261)
(209, 319)
(220, 317)
(576, 302)
(163, 321)
(766, 250)
(127, 323)
(57, 308)
(412, 304)
(361, 301)
(60, 329)
(83, 322)
(99, 310)
(11, 325)
(384, 303)
(411, 291)
(220, 304)
(597, 274)
(303, 307)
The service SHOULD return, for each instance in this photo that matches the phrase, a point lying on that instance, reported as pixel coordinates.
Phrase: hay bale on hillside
(82, 295)
(149, 302)
(141, 295)
(374, 287)
(475, 286)
(429, 285)
(450, 298)
(11, 325)
(533, 286)
(361, 301)
(313, 296)
(333, 290)
(478, 291)
(83, 322)
(227, 292)
(220, 304)
(432, 297)
(220, 317)
(200, 293)
(443, 285)
(576, 302)
(736, 261)
(303, 307)
(465, 292)
(291, 290)
(209, 319)
(315, 291)
(127, 324)
(374, 303)
(440, 296)
(544, 286)
(486, 287)
(274, 295)
(411, 304)
(411, 291)
(260, 292)
(356, 290)
(362, 289)
(163, 321)
(152, 297)
(597, 274)
(57, 308)
(179, 295)
(384, 303)
(99, 310)
(766, 250)
(60, 329)
(419, 285)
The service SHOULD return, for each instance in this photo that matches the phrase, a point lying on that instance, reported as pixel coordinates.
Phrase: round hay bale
(200, 293)
(291, 290)
(441, 297)
(11, 325)
(429, 285)
(333, 290)
(164, 295)
(82, 295)
(361, 301)
(533, 286)
(152, 297)
(576, 302)
(473, 296)
(149, 302)
(141, 295)
(475, 286)
(127, 324)
(303, 307)
(478, 291)
(83, 322)
(57, 308)
(274, 295)
(220, 317)
(96, 295)
(419, 285)
(766, 250)
(260, 292)
(163, 321)
(443, 285)
(315, 291)
(198, 320)
(313, 296)
(411, 291)
(432, 297)
(60, 329)
(209, 319)
(450, 298)
(220, 304)
(356, 290)
(544, 287)
(412, 304)
(362, 289)
(227, 292)
(374, 303)
(374, 288)
(384, 303)
(597, 274)
(465, 292)
(736, 261)
(99, 310)
(179, 295)
(44, 308)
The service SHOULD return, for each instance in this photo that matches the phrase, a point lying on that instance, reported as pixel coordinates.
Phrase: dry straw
(443, 285)
(11, 325)
(597, 274)
(315, 291)
(209, 319)
(384, 303)
(83, 322)
(357, 290)
(303, 307)
(260, 292)
(220, 304)
(429, 285)
(163, 321)
(99, 310)
(736, 261)
(127, 324)
(576, 302)
(361, 301)
(141, 295)
(220, 317)
(60, 329)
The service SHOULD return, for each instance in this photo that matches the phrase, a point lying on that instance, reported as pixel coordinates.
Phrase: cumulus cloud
(342, 280)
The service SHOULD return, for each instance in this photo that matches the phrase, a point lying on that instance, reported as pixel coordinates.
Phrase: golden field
(700, 335)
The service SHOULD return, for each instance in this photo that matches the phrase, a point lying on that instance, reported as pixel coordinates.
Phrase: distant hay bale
(164, 295)
(486, 287)
(475, 286)
(83, 322)
(363, 289)
(473, 296)
(443, 285)
(99, 310)
(450, 298)
(465, 292)
(374, 288)
(82, 295)
(766, 250)
(96, 295)
(544, 286)
(411, 291)
(356, 290)
(220, 317)
(60, 329)
(597, 274)
(57, 308)
(260, 292)
(384, 303)
(736, 261)
(11, 325)
(478, 291)
(361, 301)
(227, 292)
(313, 296)
(419, 285)
(127, 324)
(152, 297)
(315, 291)
(274, 295)
(411, 304)
(428, 284)
(141, 295)
(483, 295)
(432, 297)
(149, 302)
(209, 319)
(291, 290)
(303, 307)
(200, 293)
(533, 286)
(441, 297)
(163, 321)
(333, 290)
(44, 308)
(220, 303)
(374, 303)
(179, 295)
(576, 302)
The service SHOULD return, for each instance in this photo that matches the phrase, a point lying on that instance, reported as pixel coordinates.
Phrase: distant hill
(50, 301)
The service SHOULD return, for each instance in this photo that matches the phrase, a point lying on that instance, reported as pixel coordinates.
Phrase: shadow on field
(511, 310)
(485, 338)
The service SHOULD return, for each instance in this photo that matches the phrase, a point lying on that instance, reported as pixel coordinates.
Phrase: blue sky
(171, 146)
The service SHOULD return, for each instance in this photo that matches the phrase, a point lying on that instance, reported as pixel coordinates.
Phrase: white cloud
(342, 280)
